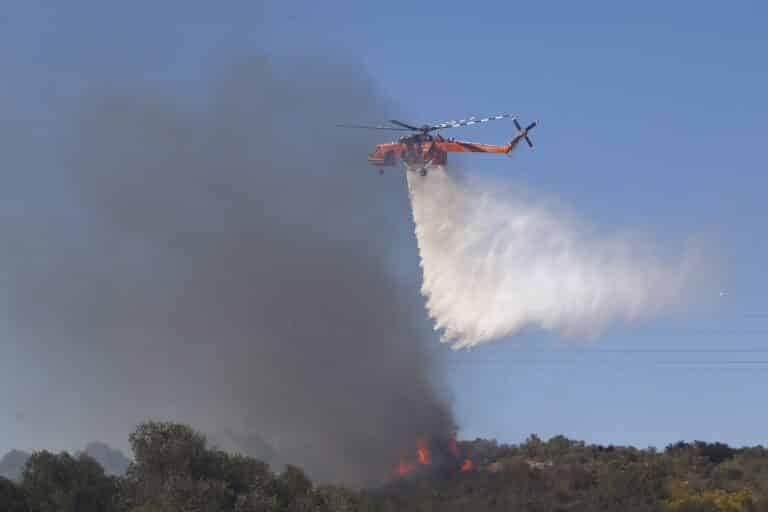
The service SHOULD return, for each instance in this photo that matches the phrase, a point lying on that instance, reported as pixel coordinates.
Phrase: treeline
(562, 475)
(113, 461)
(175, 470)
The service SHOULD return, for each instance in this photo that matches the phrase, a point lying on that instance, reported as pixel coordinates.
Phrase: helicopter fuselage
(413, 151)
(424, 150)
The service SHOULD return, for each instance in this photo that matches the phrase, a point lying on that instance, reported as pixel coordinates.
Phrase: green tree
(338, 499)
(685, 499)
(174, 469)
(164, 454)
(12, 497)
(62, 483)
(293, 489)
(533, 446)
(257, 501)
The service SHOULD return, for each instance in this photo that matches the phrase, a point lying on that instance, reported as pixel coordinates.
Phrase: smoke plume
(225, 259)
(494, 264)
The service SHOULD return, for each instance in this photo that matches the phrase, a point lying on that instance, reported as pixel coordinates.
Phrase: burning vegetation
(175, 469)
(434, 455)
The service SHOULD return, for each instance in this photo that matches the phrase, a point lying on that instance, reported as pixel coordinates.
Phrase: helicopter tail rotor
(522, 133)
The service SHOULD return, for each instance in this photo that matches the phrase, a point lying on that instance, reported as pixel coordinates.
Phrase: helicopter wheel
(423, 171)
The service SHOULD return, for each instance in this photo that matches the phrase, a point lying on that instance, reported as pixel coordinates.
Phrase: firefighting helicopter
(420, 150)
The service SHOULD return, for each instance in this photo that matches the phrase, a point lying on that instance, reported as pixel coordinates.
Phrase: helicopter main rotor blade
(391, 128)
(469, 121)
(398, 123)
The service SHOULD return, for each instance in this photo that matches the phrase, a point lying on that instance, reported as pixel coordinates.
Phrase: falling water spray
(495, 263)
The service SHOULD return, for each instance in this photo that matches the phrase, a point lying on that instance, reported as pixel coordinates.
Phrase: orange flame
(422, 451)
(404, 468)
(468, 465)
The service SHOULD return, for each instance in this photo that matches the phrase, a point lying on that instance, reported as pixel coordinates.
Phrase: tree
(338, 499)
(162, 451)
(293, 487)
(174, 469)
(688, 500)
(256, 501)
(12, 497)
(161, 448)
(200, 495)
(715, 452)
(533, 446)
(62, 483)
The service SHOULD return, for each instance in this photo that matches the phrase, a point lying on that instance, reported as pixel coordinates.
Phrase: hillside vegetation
(175, 470)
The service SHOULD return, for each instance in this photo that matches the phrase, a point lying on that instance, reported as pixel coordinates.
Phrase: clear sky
(653, 118)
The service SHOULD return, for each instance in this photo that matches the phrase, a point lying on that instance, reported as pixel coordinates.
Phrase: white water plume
(495, 264)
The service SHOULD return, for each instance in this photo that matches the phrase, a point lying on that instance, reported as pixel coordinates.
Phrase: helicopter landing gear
(381, 172)
(423, 171)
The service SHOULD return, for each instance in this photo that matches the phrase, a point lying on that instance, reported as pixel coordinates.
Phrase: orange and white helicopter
(420, 150)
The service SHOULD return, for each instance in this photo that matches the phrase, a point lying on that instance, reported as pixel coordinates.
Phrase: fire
(440, 458)
(423, 455)
(422, 452)
(404, 468)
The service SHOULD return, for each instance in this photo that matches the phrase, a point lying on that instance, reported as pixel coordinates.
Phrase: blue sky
(652, 119)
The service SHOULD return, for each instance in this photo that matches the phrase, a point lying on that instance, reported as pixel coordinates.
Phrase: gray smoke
(227, 259)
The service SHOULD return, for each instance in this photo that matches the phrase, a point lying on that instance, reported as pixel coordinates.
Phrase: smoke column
(496, 263)
(222, 255)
